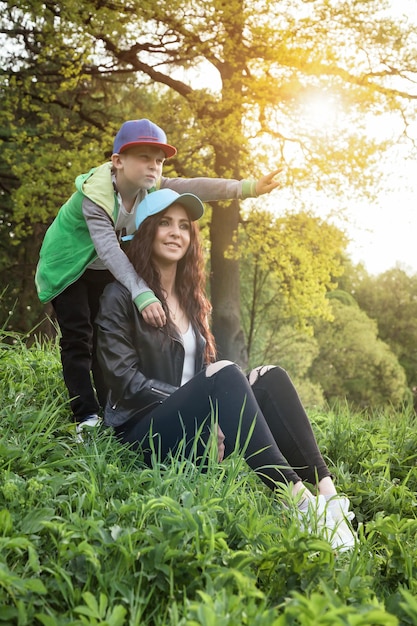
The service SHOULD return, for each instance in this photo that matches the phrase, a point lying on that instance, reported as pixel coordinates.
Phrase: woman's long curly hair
(190, 280)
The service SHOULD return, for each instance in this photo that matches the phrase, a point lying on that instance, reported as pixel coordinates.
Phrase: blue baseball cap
(141, 132)
(157, 201)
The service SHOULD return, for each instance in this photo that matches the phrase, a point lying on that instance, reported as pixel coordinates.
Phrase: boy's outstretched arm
(267, 182)
(214, 189)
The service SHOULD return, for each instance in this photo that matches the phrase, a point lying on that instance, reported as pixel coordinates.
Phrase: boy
(81, 250)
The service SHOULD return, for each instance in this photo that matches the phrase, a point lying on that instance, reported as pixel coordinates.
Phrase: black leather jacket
(141, 365)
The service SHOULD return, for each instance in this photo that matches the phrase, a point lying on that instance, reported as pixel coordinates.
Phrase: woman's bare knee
(213, 368)
(257, 372)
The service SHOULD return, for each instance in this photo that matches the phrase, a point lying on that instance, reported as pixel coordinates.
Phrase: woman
(165, 382)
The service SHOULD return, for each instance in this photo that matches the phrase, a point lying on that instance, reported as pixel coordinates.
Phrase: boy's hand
(154, 315)
(267, 183)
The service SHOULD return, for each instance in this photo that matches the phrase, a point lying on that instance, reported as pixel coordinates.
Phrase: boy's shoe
(344, 536)
(91, 421)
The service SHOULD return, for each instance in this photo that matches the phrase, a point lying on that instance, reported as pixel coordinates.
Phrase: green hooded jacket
(67, 248)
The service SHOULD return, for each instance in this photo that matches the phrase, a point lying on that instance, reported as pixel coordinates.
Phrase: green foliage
(353, 363)
(328, 609)
(23, 367)
(295, 351)
(89, 536)
(391, 300)
(288, 264)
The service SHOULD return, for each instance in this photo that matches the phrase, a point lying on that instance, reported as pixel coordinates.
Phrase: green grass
(89, 536)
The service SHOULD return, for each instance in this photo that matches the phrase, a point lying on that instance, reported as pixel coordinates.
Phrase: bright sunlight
(321, 110)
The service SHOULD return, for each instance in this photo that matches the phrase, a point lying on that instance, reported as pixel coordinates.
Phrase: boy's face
(139, 167)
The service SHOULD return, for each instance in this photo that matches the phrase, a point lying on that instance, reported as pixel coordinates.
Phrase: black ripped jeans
(266, 420)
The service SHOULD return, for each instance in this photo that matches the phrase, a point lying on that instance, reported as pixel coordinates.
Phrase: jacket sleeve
(108, 249)
(212, 189)
(118, 357)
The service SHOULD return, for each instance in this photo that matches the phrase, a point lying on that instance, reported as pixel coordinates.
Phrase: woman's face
(172, 237)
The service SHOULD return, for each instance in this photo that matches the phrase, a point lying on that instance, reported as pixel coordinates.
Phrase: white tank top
(190, 350)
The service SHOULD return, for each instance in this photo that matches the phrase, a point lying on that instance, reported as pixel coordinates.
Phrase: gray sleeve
(108, 249)
(207, 189)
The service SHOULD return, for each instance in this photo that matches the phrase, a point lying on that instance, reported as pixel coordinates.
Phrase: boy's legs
(97, 280)
(76, 308)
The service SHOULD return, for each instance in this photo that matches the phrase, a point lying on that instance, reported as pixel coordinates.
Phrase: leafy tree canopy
(391, 299)
(71, 72)
(288, 265)
(354, 363)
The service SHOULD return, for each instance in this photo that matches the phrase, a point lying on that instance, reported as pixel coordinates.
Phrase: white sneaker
(344, 537)
(92, 421)
(329, 519)
(315, 516)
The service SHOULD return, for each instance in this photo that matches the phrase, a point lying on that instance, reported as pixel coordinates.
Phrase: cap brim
(192, 204)
(169, 151)
(160, 200)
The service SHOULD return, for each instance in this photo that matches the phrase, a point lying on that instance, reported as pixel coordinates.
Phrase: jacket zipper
(162, 393)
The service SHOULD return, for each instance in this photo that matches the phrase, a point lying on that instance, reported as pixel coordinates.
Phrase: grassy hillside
(89, 536)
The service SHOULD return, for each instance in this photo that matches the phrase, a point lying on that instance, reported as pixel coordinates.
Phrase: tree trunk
(225, 285)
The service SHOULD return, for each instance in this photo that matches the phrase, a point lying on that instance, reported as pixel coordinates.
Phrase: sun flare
(321, 110)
